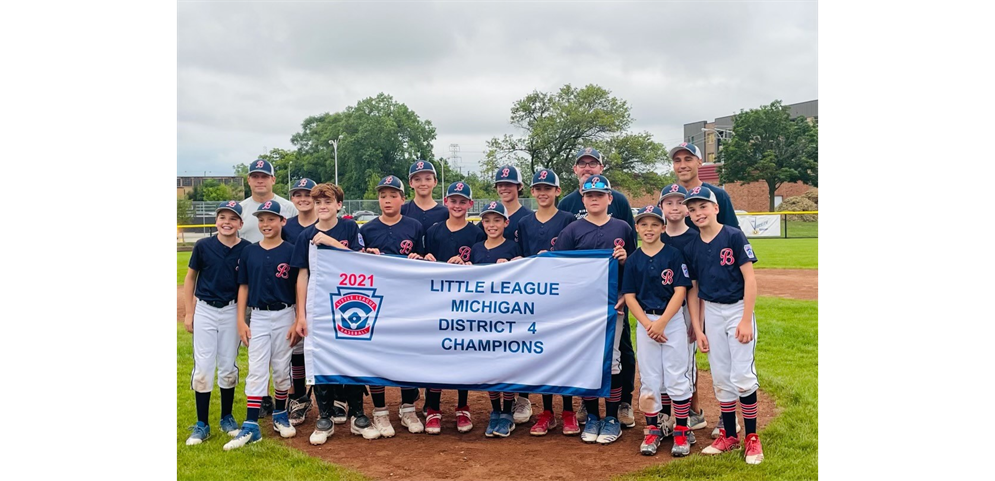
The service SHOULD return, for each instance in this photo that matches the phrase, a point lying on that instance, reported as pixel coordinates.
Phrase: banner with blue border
(543, 324)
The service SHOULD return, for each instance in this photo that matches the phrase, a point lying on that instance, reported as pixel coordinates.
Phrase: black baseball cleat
(266, 407)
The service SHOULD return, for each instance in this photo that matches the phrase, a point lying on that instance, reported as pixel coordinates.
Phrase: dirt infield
(455, 456)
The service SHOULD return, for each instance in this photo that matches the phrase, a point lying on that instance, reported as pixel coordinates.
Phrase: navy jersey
(727, 215)
(583, 235)
(428, 218)
(535, 236)
(268, 274)
(653, 278)
(680, 241)
(217, 269)
(345, 231)
(511, 232)
(715, 265)
(402, 238)
(618, 209)
(480, 254)
(292, 229)
(444, 244)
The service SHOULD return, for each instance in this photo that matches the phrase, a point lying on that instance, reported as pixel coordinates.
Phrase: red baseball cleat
(433, 422)
(722, 444)
(570, 425)
(463, 422)
(754, 452)
(544, 423)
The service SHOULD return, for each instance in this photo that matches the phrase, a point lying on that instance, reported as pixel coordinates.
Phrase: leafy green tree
(242, 170)
(769, 146)
(184, 211)
(556, 125)
(376, 137)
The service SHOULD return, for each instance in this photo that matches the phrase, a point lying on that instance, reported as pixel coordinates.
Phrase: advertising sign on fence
(760, 225)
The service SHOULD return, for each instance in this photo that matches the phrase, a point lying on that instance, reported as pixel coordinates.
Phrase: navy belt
(274, 307)
(655, 312)
(219, 304)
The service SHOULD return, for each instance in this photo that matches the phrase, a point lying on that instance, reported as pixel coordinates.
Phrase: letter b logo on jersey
(726, 258)
(283, 271)
(354, 312)
(668, 277)
(406, 246)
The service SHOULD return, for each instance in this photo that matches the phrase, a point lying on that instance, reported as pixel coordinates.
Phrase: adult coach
(589, 162)
(687, 160)
(262, 178)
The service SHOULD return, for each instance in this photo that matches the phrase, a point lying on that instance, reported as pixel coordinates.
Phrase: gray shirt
(250, 224)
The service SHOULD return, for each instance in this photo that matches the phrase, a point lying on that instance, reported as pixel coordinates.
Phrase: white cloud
(248, 74)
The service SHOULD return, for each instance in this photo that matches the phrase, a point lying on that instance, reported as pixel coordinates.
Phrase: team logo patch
(505, 172)
(389, 180)
(354, 312)
(302, 183)
(259, 164)
(696, 190)
(649, 208)
(268, 204)
(459, 187)
(749, 251)
(406, 246)
(283, 271)
(542, 175)
(726, 258)
(420, 165)
(231, 203)
(464, 253)
(684, 269)
(588, 150)
(492, 205)
(668, 277)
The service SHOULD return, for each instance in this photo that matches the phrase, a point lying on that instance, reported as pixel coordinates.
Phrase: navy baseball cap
(685, 146)
(459, 188)
(271, 206)
(260, 165)
(546, 177)
(391, 182)
(303, 184)
(589, 152)
(700, 192)
(650, 210)
(229, 205)
(596, 183)
(508, 173)
(495, 207)
(672, 190)
(421, 166)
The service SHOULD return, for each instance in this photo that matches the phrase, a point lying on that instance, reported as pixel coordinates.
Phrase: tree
(242, 170)
(378, 136)
(769, 146)
(556, 125)
(213, 191)
(184, 211)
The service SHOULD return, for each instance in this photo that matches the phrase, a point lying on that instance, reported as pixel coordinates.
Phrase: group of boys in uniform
(691, 275)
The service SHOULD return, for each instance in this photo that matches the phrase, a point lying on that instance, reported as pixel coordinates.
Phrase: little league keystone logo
(354, 312)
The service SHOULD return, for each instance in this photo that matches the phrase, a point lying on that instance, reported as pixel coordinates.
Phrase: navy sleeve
(520, 240)
(682, 277)
(419, 240)
(742, 250)
(477, 255)
(299, 258)
(243, 270)
(565, 242)
(688, 252)
(727, 213)
(625, 212)
(429, 247)
(355, 240)
(195, 261)
(630, 240)
(629, 273)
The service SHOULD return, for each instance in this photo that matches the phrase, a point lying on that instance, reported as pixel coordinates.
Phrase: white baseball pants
(733, 363)
(269, 348)
(663, 365)
(616, 352)
(215, 344)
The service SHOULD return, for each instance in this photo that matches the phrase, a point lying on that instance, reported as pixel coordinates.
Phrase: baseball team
(690, 286)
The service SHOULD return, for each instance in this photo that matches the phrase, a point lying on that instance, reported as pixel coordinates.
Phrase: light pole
(290, 164)
(335, 147)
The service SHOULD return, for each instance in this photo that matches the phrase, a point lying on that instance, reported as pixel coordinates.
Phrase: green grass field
(787, 363)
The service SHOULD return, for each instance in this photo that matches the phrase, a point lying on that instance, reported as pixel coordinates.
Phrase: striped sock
(495, 400)
(509, 402)
(378, 397)
(665, 401)
(615, 398)
(652, 419)
(297, 375)
(729, 417)
(681, 411)
(749, 404)
(280, 401)
(252, 408)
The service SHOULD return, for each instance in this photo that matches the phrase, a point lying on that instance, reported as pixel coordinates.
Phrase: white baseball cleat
(281, 424)
(381, 421)
(626, 416)
(362, 426)
(522, 411)
(322, 430)
(249, 434)
(409, 419)
(667, 424)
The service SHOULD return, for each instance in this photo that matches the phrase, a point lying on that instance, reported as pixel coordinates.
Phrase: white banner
(542, 324)
(760, 225)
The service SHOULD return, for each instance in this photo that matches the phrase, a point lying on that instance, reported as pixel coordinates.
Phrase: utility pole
(453, 150)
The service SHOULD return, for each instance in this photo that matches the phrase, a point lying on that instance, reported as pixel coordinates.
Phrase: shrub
(799, 203)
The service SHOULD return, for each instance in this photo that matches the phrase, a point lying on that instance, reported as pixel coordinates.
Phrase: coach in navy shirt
(687, 159)
(589, 163)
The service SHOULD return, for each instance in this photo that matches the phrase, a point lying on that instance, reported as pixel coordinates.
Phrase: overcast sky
(249, 73)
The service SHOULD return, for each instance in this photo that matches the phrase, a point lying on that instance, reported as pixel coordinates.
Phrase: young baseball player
(265, 266)
(537, 233)
(678, 234)
(342, 233)
(721, 261)
(508, 184)
(300, 195)
(598, 230)
(495, 250)
(212, 269)
(451, 241)
(655, 285)
(423, 208)
(393, 234)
